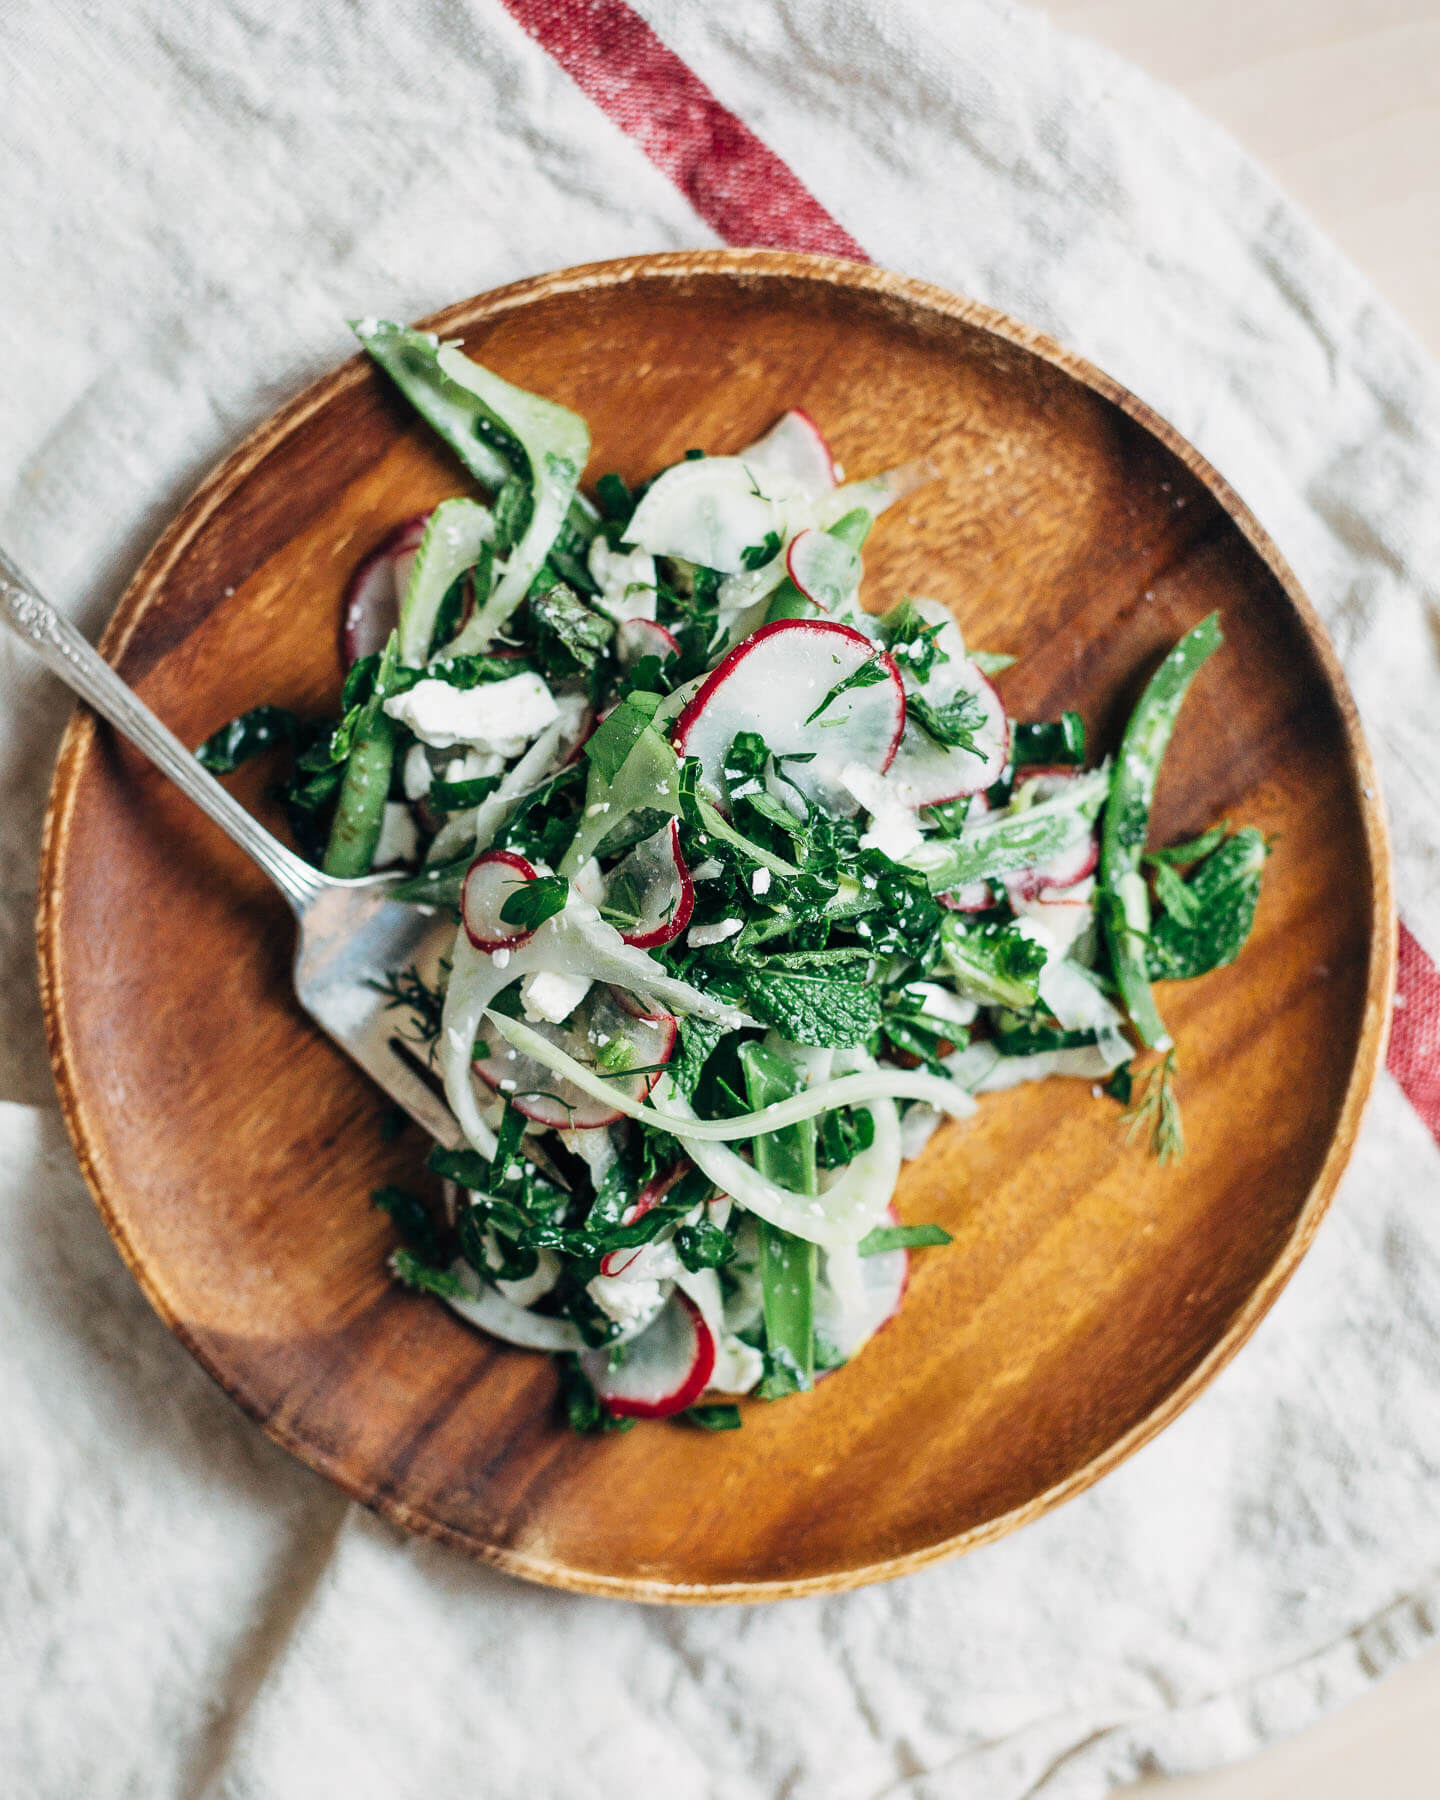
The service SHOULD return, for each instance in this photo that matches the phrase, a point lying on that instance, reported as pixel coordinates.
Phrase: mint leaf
(412, 1221)
(456, 796)
(912, 642)
(252, 734)
(717, 1417)
(818, 1010)
(996, 964)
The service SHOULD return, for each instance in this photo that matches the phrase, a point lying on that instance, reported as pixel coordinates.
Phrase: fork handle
(65, 653)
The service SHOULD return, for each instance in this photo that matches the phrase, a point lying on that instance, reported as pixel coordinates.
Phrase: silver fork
(351, 935)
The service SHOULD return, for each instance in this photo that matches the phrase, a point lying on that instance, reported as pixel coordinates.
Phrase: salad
(751, 887)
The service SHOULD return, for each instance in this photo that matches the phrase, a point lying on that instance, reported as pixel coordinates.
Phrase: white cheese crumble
(699, 936)
(737, 1367)
(499, 716)
(940, 1003)
(550, 997)
(399, 840)
(626, 580)
(894, 826)
(760, 882)
(627, 1302)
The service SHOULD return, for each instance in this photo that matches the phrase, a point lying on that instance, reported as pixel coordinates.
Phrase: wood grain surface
(1088, 1295)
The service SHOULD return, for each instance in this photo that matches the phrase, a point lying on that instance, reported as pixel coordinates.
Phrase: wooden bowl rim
(746, 267)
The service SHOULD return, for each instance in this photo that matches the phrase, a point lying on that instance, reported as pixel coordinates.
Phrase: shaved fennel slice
(859, 1089)
(474, 982)
(489, 1309)
(556, 443)
(838, 1217)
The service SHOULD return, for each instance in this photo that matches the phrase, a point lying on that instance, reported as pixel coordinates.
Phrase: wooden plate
(1089, 1294)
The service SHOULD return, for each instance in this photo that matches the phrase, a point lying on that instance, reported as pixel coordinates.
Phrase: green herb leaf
(533, 902)
(458, 796)
(704, 1247)
(716, 1417)
(953, 724)
(1176, 898)
(1058, 741)
(411, 1272)
(911, 641)
(903, 1237)
(569, 635)
(1194, 851)
(819, 1010)
(1157, 1112)
(412, 1220)
(870, 674)
(252, 734)
(1222, 892)
(993, 963)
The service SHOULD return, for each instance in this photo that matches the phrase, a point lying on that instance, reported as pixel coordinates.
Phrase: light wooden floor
(1341, 100)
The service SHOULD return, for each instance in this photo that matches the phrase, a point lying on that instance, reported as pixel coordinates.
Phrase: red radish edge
(649, 1196)
(1064, 869)
(476, 916)
(820, 438)
(636, 638)
(726, 667)
(975, 896)
(692, 1386)
(680, 918)
(367, 601)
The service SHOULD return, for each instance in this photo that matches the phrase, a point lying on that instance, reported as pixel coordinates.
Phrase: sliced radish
(794, 450)
(932, 772)
(825, 570)
(1064, 919)
(607, 1033)
(651, 887)
(370, 610)
(1036, 785)
(489, 882)
(637, 638)
(774, 683)
(707, 512)
(858, 1294)
(663, 1370)
(616, 1262)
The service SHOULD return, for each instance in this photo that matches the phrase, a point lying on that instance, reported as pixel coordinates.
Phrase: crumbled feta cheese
(737, 1367)
(760, 882)
(499, 716)
(626, 580)
(627, 1302)
(894, 826)
(500, 957)
(549, 997)
(701, 935)
(399, 840)
(708, 870)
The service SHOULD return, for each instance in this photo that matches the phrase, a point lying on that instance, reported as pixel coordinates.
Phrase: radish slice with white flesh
(929, 772)
(652, 890)
(616, 1262)
(794, 451)
(1070, 866)
(857, 1294)
(663, 1370)
(826, 571)
(371, 607)
(490, 881)
(638, 638)
(707, 512)
(606, 1034)
(777, 683)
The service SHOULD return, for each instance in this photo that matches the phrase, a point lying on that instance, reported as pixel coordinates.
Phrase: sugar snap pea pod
(787, 1263)
(457, 414)
(1124, 898)
(455, 537)
(556, 445)
(1013, 839)
(365, 786)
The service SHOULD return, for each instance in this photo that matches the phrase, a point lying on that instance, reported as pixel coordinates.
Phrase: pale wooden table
(1341, 100)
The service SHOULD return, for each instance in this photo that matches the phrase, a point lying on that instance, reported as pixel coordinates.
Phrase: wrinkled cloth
(193, 199)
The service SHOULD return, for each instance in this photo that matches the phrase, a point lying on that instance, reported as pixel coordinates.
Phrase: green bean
(1124, 898)
(787, 1263)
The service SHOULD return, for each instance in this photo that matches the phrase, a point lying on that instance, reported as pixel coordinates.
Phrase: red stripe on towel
(736, 183)
(1414, 1058)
